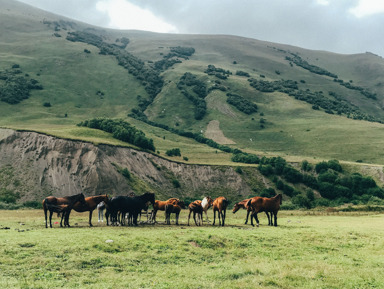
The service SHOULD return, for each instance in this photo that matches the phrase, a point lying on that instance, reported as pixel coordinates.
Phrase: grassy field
(306, 250)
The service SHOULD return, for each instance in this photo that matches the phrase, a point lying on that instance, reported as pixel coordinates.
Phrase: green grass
(306, 250)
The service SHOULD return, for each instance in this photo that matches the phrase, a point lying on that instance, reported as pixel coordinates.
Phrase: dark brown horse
(196, 208)
(90, 205)
(270, 205)
(220, 205)
(62, 205)
(242, 205)
(160, 206)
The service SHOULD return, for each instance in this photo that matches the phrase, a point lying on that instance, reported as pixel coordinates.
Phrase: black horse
(128, 205)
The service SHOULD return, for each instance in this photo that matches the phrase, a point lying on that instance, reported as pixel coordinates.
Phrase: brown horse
(60, 205)
(220, 205)
(242, 205)
(196, 208)
(169, 209)
(90, 205)
(271, 205)
(160, 206)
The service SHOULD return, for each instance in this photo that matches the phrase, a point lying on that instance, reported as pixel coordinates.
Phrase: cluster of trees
(241, 103)
(121, 130)
(149, 77)
(218, 72)
(327, 177)
(14, 86)
(318, 70)
(333, 103)
(173, 152)
(242, 73)
(296, 59)
(286, 86)
(196, 91)
(173, 57)
(365, 92)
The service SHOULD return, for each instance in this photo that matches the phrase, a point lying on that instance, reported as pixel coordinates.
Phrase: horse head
(236, 207)
(81, 198)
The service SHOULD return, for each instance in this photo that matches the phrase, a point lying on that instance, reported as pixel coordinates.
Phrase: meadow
(307, 250)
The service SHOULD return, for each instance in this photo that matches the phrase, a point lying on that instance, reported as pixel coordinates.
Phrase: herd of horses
(122, 209)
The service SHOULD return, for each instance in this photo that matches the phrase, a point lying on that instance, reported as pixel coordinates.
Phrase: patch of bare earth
(214, 133)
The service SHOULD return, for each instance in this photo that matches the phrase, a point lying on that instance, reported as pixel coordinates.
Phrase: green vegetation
(241, 103)
(121, 130)
(14, 86)
(337, 250)
(173, 152)
(196, 94)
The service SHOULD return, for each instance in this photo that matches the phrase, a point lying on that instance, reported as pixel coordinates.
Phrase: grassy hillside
(79, 83)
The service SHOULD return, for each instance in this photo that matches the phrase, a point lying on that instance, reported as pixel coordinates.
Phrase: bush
(121, 130)
(173, 152)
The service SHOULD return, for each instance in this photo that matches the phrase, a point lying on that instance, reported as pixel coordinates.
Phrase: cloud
(367, 7)
(125, 15)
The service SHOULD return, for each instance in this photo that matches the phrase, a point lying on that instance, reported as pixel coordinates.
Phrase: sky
(340, 26)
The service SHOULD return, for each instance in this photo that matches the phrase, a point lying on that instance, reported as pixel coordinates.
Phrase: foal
(206, 203)
(196, 208)
(220, 205)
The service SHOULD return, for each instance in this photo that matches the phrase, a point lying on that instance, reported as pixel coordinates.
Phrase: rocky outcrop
(36, 165)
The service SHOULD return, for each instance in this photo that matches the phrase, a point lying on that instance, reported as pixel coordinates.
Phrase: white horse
(100, 210)
(206, 203)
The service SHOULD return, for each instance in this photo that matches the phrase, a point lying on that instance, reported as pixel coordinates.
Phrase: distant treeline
(318, 70)
(335, 186)
(332, 104)
(16, 86)
(121, 130)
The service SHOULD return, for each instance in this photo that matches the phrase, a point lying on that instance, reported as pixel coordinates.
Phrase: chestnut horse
(62, 205)
(90, 205)
(220, 205)
(271, 205)
(160, 206)
(206, 203)
(196, 208)
(242, 205)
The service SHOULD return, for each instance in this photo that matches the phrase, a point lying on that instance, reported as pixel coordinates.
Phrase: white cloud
(124, 15)
(323, 2)
(367, 8)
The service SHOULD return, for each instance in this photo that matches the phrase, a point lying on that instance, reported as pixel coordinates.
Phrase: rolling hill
(311, 105)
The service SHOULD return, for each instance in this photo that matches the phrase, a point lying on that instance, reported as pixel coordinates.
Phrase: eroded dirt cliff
(34, 165)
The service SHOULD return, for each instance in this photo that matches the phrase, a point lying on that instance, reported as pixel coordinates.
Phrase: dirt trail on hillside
(215, 133)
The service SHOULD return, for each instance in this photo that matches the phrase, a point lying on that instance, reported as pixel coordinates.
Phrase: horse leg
(223, 216)
(45, 215)
(246, 220)
(50, 219)
(177, 218)
(219, 215)
(90, 218)
(189, 216)
(66, 219)
(206, 215)
(214, 217)
(275, 215)
(257, 220)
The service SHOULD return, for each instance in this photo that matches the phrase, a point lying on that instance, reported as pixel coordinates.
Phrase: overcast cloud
(342, 26)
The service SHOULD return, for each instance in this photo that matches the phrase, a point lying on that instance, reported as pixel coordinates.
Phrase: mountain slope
(80, 83)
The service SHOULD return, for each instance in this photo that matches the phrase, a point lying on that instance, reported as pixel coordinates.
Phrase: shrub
(173, 152)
